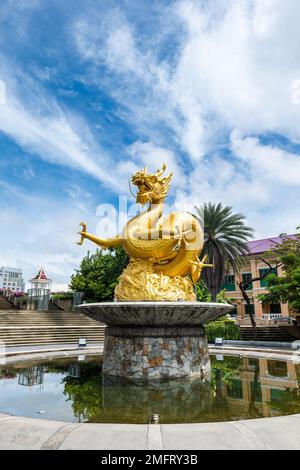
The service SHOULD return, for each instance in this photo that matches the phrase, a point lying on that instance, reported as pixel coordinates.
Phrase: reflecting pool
(74, 390)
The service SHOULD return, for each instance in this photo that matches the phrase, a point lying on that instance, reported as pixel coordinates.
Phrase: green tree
(202, 292)
(85, 392)
(98, 274)
(225, 240)
(287, 287)
(244, 284)
(223, 298)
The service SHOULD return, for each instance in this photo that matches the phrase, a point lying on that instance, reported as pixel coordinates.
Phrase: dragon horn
(167, 179)
(160, 172)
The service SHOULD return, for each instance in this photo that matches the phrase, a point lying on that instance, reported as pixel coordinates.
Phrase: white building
(39, 294)
(11, 279)
(41, 281)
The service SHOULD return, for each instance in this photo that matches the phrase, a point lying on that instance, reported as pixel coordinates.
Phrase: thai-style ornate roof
(41, 276)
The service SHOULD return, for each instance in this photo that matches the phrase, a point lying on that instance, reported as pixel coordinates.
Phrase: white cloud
(234, 68)
(199, 100)
(138, 81)
(240, 65)
(232, 74)
(33, 118)
(266, 162)
(39, 231)
(146, 153)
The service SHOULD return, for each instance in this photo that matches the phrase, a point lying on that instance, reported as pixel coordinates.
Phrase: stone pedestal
(155, 340)
(147, 353)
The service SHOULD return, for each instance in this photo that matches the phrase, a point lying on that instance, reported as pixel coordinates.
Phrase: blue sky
(97, 89)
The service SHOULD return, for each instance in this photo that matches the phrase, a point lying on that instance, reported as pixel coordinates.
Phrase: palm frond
(225, 241)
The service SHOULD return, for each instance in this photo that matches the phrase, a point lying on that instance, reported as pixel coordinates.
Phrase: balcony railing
(272, 316)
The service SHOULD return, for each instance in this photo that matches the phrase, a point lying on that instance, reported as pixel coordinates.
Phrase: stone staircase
(60, 305)
(35, 328)
(272, 333)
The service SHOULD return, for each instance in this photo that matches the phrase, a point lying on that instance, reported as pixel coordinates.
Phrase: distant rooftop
(8, 268)
(266, 244)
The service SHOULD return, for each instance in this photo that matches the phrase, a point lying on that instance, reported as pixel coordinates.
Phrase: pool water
(74, 390)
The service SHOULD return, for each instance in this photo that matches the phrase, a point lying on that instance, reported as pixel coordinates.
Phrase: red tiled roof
(266, 244)
(41, 276)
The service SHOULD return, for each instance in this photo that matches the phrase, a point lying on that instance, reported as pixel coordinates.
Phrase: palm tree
(225, 240)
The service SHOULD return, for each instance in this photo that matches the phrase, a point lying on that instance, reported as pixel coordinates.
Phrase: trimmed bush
(222, 329)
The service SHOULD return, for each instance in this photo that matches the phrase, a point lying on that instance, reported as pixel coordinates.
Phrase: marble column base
(151, 353)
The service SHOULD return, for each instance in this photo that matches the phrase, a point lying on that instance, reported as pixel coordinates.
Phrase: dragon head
(152, 188)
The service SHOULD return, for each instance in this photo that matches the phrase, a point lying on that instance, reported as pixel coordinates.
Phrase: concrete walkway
(41, 353)
(267, 433)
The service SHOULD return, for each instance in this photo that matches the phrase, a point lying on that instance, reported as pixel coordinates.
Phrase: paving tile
(107, 437)
(26, 433)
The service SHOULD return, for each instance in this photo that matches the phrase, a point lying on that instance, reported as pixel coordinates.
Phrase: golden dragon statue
(164, 251)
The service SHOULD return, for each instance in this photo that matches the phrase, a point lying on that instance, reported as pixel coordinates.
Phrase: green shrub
(225, 329)
(63, 296)
(203, 294)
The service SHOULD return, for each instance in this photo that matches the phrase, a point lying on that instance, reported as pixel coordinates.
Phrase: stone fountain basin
(155, 313)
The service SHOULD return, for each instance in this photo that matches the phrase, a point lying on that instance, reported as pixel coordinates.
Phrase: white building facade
(41, 281)
(11, 279)
(39, 294)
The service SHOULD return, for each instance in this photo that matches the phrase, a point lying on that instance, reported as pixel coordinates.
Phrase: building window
(252, 362)
(276, 394)
(262, 271)
(229, 283)
(235, 388)
(247, 277)
(277, 368)
(275, 308)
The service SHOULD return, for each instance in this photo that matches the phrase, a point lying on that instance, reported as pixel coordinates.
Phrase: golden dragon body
(164, 263)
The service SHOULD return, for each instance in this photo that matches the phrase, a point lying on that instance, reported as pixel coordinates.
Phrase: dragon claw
(199, 265)
(82, 233)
